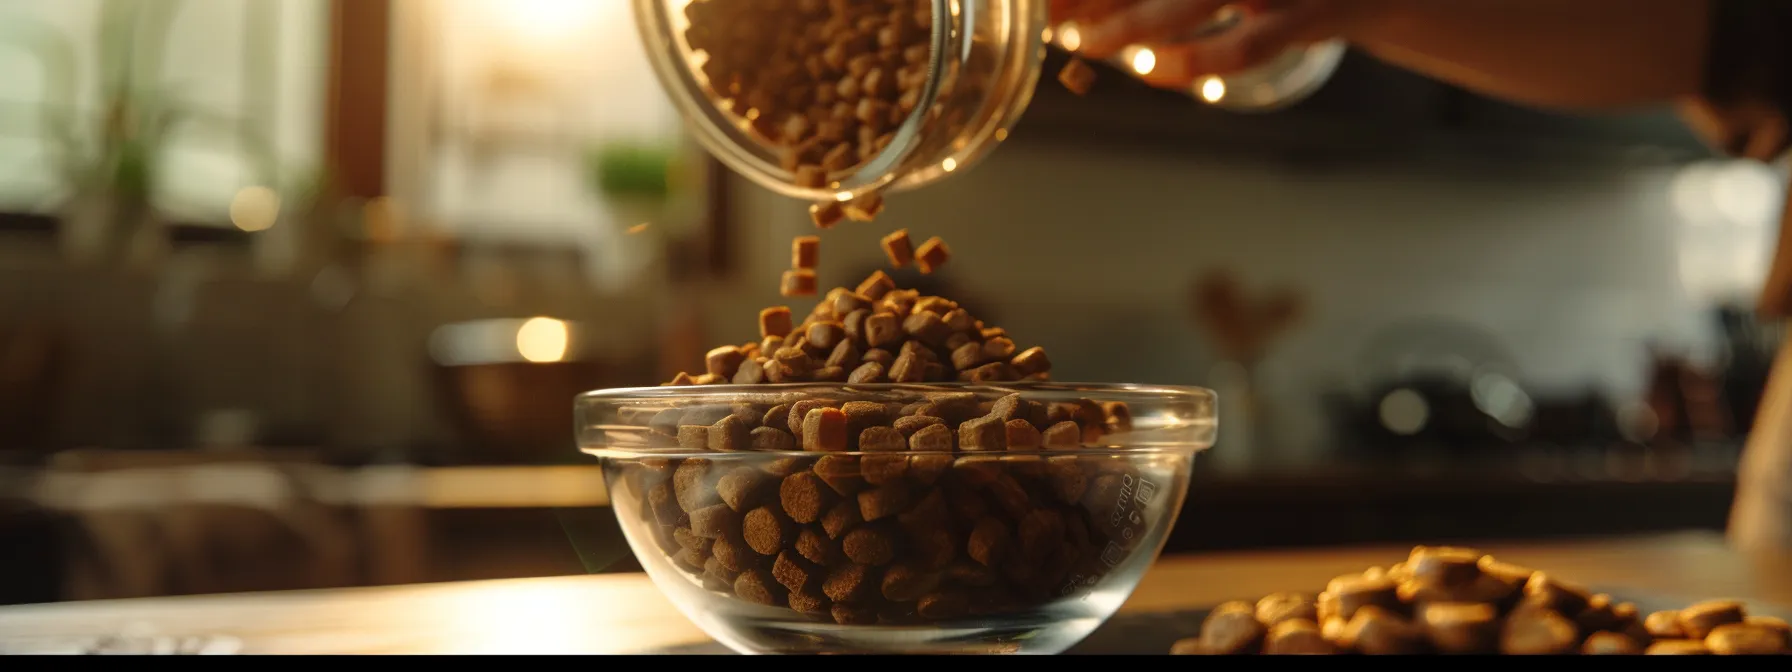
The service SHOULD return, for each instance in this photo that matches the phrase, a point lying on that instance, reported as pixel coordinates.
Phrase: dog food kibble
(898, 248)
(1459, 601)
(827, 215)
(932, 255)
(805, 252)
(1077, 76)
(797, 282)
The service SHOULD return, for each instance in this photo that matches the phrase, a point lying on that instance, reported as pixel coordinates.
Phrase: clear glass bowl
(986, 57)
(880, 550)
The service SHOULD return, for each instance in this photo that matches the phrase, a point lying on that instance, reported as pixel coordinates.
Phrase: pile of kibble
(1461, 601)
(923, 506)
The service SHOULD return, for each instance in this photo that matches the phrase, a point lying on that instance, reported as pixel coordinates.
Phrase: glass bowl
(983, 60)
(1012, 519)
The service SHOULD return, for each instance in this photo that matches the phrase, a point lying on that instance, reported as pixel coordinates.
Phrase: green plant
(118, 153)
(632, 170)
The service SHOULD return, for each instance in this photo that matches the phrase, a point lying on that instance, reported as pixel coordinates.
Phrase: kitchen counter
(619, 614)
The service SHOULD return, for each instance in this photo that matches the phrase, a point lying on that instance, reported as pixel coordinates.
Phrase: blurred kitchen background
(297, 292)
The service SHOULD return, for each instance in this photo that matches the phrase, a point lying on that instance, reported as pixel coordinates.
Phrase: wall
(1570, 270)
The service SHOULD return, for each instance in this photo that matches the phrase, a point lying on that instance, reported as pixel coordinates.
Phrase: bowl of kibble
(891, 475)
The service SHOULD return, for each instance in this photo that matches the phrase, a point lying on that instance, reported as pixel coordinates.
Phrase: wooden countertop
(625, 614)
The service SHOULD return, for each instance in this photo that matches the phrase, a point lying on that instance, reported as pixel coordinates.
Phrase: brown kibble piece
(841, 473)
(735, 555)
(1664, 625)
(898, 248)
(849, 583)
(870, 545)
(827, 215)
(1376, 631)
(1698, 620)
(757, 586)
(903, 583)
(1559, 596)
(1461, 628)
(1610, 644)
(816, 547)
(663, 504)
(811, 176)
(809, 604)
(1677, 647)
(769, 439)
(715, 521)
(908, 425)
(1032, 362)
(1063, 435)
(982, 434)
(1077, 76)
(932, 255)
(867, 374)
(1020, 435)
(797, 412)
(989, 542)
(824, 430)
(795, 573)
(1191, 646)
(865, 208)
(1533, 631)
(1357, 591)
(693, 437)
(745, 488)
(724, 361)
(1444, 566)
(767, 530)
(883, 330)
(805, 252)
(876, 286)
(805, 497)
(1297, 637)
(690, 482)
(841, 518)
(728, 435)
(1286, 606)
(1774, 624)
(861, 416)
(1742, 639)
(1068, 479)
(884, 501)
(1232, 629)
(797, 283)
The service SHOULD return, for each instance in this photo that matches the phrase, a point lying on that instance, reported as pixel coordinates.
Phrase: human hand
(1268, 29)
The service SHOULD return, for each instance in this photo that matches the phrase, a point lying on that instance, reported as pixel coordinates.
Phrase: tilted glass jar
(985, 59)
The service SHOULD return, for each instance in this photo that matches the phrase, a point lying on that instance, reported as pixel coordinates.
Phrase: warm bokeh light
(1069, 37)
(950, 165)
(542, 340)
(255, 209)
(1213, 90)
(639, 228)
(1144, 61)
(546, 19)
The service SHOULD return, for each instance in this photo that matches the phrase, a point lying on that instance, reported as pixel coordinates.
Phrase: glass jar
(979, 61)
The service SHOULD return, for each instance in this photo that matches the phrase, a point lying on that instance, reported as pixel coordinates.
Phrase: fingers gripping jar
(833, 101)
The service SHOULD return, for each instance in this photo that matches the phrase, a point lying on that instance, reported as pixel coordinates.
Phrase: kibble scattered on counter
(1444, 600)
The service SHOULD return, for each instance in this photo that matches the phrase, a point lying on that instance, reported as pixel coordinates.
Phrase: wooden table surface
(625, 614)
